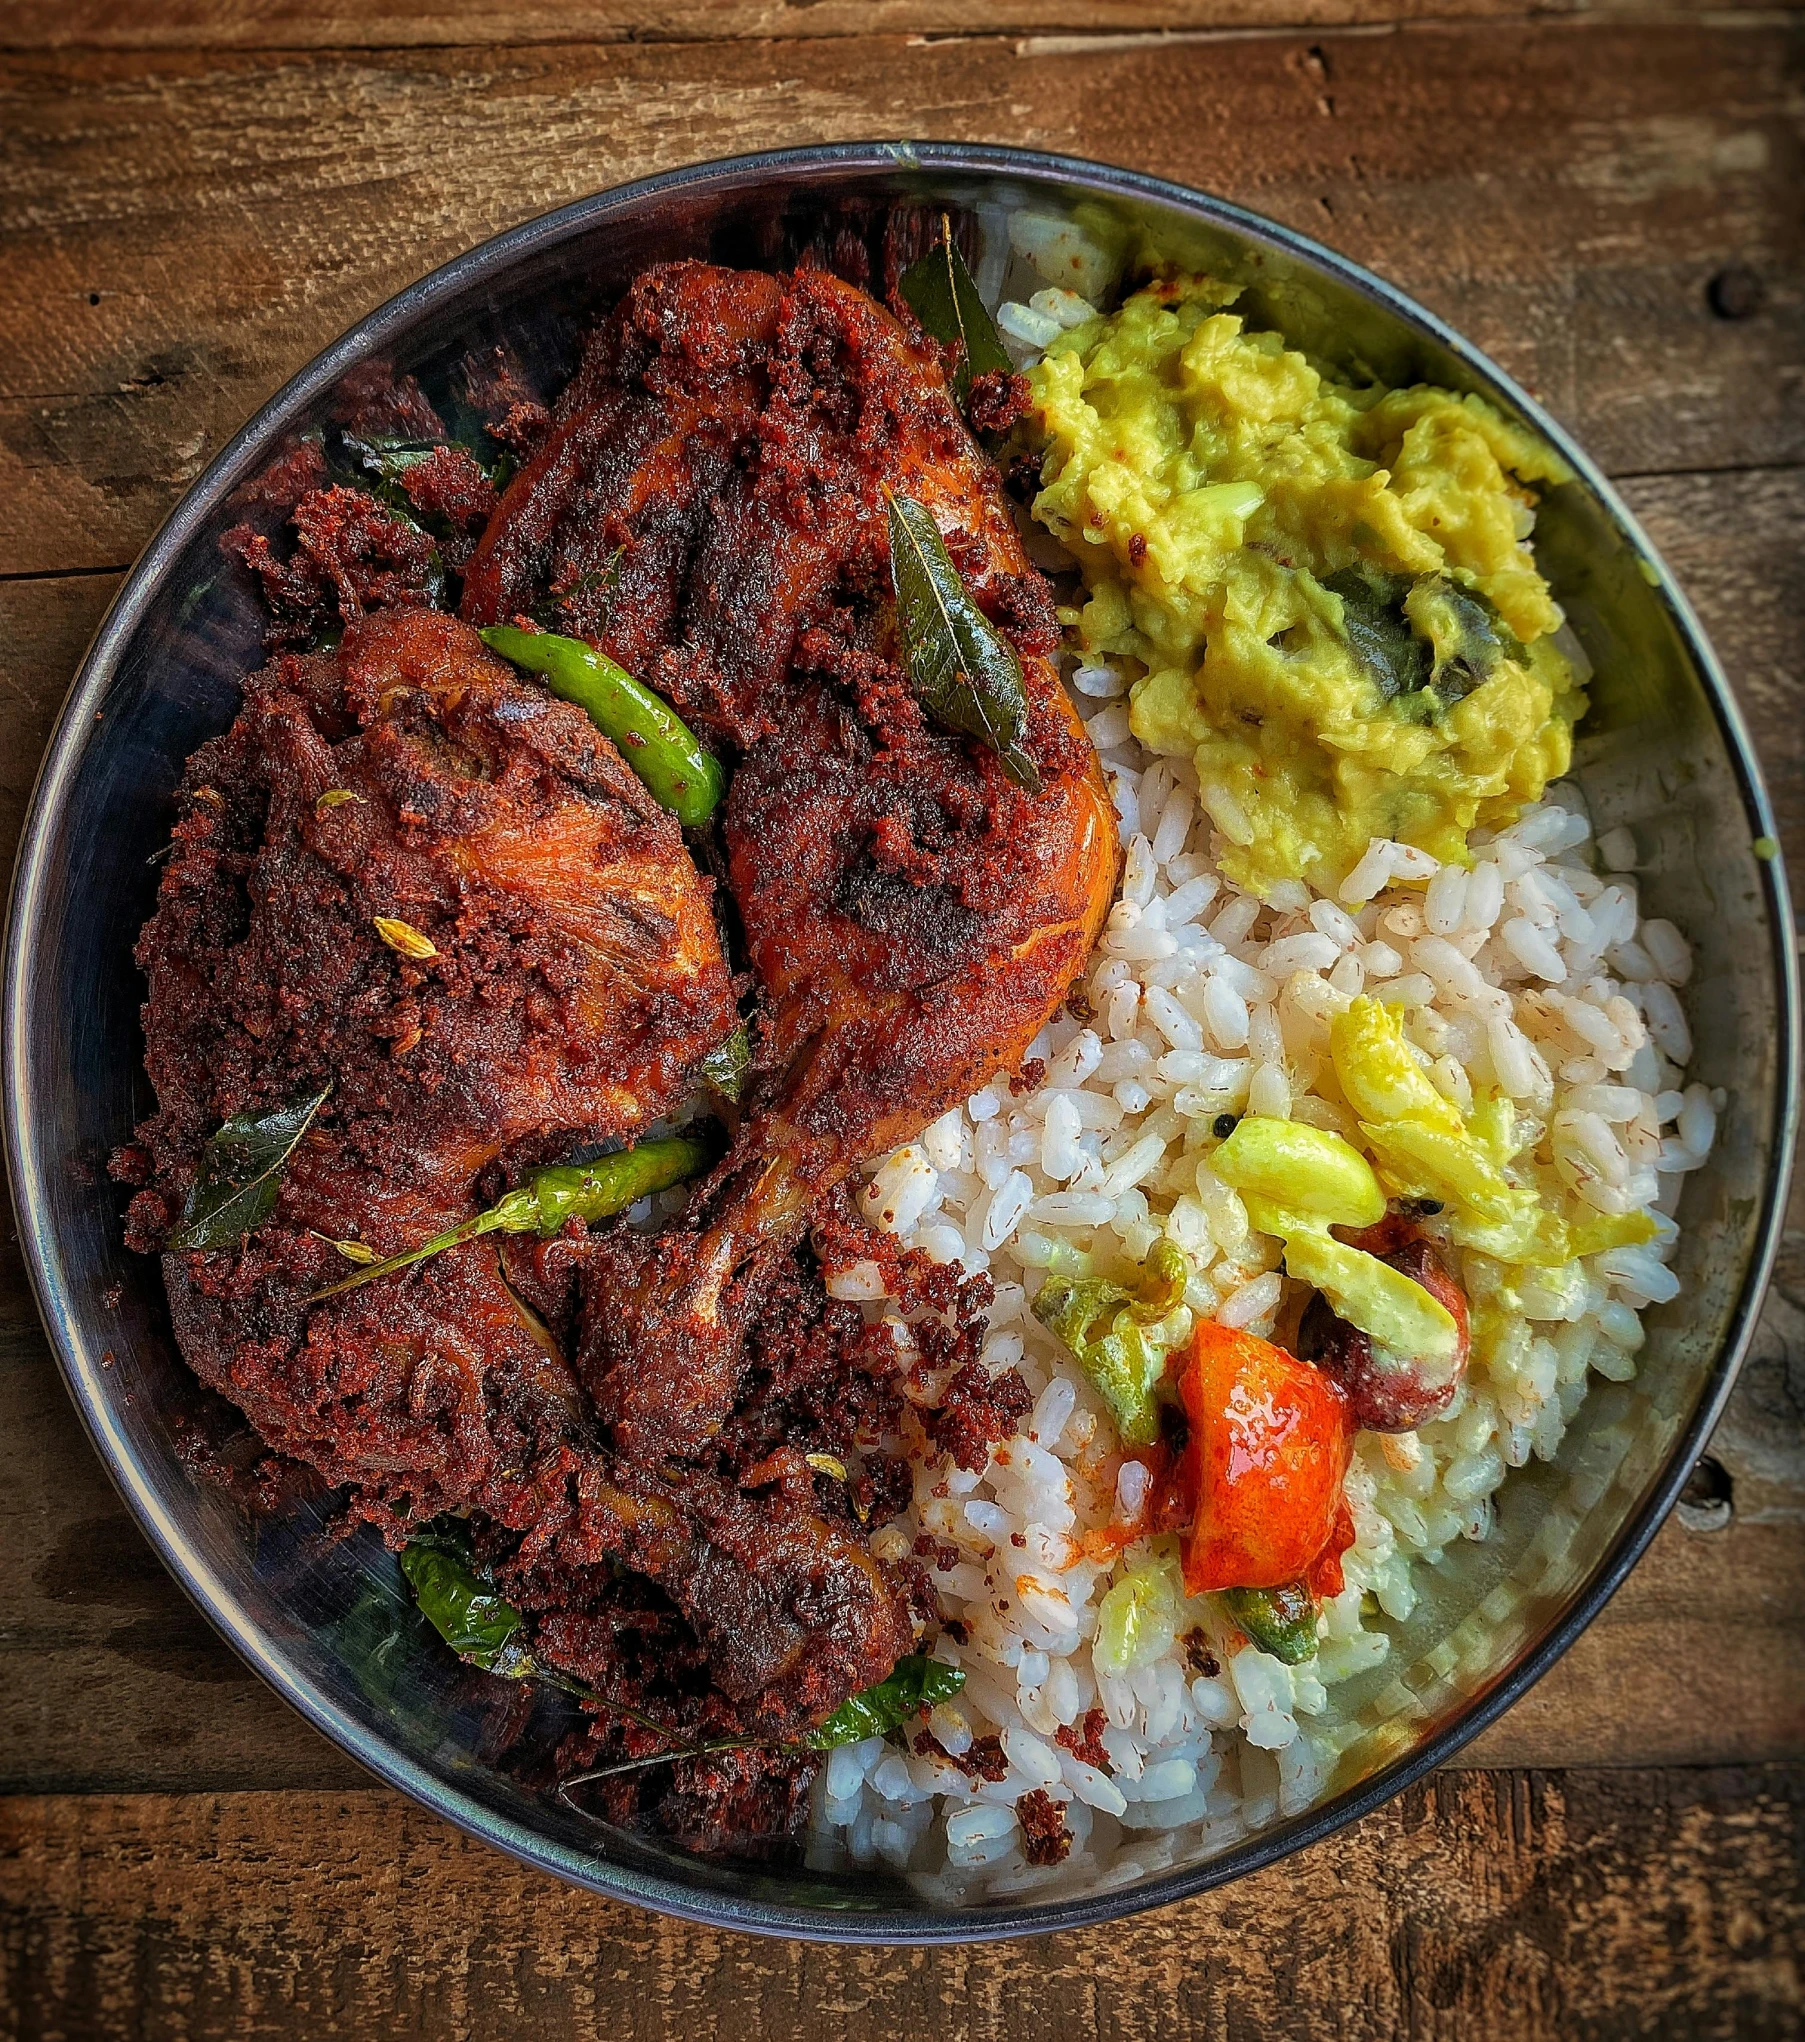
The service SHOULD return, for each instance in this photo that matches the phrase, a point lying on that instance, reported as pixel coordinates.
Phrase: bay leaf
(241, 1174)
(962, 667)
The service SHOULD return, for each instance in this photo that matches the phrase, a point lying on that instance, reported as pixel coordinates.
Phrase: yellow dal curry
(1327, 591)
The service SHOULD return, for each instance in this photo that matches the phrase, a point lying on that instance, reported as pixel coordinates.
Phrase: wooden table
(195, 196)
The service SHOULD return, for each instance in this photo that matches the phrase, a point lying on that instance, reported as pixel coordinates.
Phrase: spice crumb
(1045, 1838)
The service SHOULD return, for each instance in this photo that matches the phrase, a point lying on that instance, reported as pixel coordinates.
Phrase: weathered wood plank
(109, 1677)
(1538, 1905)
(45, 627)
(386, 24)
(179, 232)
(1737, 544)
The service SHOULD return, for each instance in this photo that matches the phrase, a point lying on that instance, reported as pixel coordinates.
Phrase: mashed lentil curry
(1329, 589)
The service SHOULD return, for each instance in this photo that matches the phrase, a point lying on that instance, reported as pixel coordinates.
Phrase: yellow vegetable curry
(1325, 592)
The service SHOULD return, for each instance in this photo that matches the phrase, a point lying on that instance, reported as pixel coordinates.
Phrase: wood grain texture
(1737, 544)
(390, 24)
(1699, 1657)
(179, 233)
(1535, 1906)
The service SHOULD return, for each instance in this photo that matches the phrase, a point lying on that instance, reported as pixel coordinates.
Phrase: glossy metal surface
(1663, 751)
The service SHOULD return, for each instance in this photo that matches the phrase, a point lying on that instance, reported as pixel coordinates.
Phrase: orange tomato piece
(1165, 1507)
(1269, 1450)
(1325, 1578)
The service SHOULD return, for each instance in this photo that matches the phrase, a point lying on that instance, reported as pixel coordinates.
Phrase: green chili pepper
(566, 1191)
(655, 741)
(482, 1627)
(1281, 1621)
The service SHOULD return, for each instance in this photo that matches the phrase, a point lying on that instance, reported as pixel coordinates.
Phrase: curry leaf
(378, 1638)
(726, 1065)
(915, 1683)
(241, 1175)
(940, 292)
(962, 667)
(1377, 632)
(382, 463)
(477, 1623)
(1467, 638)
(393, 459)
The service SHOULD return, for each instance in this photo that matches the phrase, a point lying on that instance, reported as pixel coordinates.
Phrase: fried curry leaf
(726, 1065)
(962, 667)
(1377, 632)
(378, 1638)
(1425, 635)
(940, 292)
(914, 1684)
(241, 1174)
(478, 1624)
(391, 459)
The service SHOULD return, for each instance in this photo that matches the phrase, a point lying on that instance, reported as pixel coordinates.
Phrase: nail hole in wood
(1736, 292)
(1707, 1503)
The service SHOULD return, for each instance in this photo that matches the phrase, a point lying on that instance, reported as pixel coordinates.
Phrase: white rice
(1533, 973)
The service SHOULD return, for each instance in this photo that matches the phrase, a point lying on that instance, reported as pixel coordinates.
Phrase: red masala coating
(710, 506)
(977, 1411)
(451, 485)
(708, 501)
(577, 977)
(352, 555)
(572, 987)
(374, 559)
(578, 973)
(983, 1759)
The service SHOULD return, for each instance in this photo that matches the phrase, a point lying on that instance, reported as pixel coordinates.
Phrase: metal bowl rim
(88, 1386)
